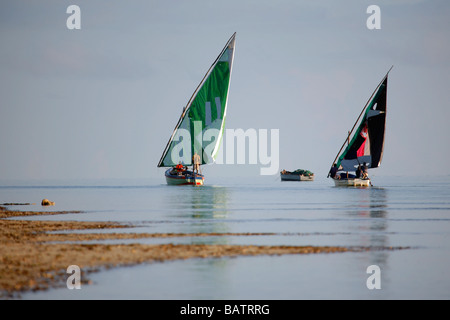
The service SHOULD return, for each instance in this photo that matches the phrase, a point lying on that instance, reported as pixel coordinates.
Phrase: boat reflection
(204, 202)
(209, 202)
(371, 208)
(200, 210)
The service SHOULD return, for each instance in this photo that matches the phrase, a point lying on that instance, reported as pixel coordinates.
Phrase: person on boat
(333, 171)
(364, 172)
(358, 171)
(196, 162)
(179, 167)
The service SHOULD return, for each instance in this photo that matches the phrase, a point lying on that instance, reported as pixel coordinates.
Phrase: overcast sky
(102, 101)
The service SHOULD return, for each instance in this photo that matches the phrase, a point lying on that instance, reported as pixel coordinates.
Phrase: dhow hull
(296, 177)
(356, 182)
(186, 179)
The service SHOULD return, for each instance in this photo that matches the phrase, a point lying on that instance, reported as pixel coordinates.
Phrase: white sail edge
(219, 141)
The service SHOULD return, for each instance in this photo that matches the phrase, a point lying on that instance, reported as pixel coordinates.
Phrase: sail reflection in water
(372, 222)
(209, 202)
(202, 210)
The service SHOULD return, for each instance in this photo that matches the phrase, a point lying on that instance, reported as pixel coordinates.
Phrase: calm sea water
(398, 211)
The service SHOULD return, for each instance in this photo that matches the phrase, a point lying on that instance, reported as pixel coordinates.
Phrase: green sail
(200, 127)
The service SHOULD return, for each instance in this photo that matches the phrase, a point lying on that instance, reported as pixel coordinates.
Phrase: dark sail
(367, 143)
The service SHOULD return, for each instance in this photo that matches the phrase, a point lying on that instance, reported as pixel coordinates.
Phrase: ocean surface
(411, 212)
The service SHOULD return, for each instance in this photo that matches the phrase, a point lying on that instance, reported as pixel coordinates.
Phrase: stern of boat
(196, 179)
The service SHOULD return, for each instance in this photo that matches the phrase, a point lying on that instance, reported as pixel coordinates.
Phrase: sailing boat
(197, 136)
(365, 148)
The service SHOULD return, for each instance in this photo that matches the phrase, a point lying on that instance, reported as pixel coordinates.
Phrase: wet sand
(34, 256)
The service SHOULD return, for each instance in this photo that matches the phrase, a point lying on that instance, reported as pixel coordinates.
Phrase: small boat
(365, 148)
(197, 136)
(182, 177)
(297, 175)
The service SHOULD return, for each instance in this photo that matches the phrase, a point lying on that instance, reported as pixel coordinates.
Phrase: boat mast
(357, 120)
